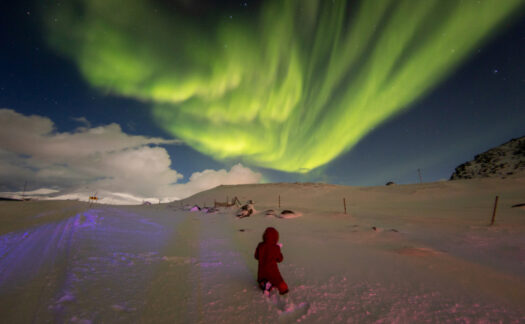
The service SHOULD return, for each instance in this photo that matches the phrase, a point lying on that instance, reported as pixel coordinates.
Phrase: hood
(271, 236)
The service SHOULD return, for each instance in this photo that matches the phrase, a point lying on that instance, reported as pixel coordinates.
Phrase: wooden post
(279, 201)
(344, 204)
(494, 212)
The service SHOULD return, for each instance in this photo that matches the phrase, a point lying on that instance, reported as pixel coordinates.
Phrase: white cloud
(124, 168)
(83, 121)
(207, 179)
(41, 192)
(36, 136)
(38, 193)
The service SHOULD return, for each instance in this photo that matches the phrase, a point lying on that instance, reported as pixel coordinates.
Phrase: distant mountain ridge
(502, 161)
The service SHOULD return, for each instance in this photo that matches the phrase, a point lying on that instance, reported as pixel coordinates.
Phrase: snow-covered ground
(431, 258)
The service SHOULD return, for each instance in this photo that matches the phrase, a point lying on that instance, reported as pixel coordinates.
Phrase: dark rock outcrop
(503, 161)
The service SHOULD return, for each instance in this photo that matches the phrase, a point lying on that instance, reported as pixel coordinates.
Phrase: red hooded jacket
(269, 253)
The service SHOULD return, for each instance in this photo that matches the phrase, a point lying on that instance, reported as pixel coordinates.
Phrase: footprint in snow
(288, 310)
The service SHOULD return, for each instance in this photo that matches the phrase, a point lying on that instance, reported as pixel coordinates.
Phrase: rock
(505, 160)
(246, 210)
(195, 208)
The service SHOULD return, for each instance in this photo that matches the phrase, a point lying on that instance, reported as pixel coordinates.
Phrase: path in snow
(157, 264)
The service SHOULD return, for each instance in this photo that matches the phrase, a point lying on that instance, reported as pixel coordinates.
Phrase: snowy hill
(421, 253)
(503, 161)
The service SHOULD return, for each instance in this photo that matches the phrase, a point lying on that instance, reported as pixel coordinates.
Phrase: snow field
(431, 258)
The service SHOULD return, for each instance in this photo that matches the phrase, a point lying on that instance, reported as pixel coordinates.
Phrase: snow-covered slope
(503, 161)
(431, 258)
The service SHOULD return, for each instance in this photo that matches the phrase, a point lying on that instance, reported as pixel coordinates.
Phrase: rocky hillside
(503, 161)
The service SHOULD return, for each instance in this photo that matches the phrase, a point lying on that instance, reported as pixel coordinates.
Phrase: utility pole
(24, 193)
(419, 172)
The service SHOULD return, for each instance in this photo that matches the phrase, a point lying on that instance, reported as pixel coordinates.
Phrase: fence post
(494, 212)
(279, 201)
(344, 204)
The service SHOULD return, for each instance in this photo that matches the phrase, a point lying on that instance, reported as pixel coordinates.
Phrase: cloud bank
(121, 168)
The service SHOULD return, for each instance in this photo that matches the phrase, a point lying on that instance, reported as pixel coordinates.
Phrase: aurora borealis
(289, 89)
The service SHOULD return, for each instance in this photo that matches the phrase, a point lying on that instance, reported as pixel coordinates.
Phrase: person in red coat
(268, 253)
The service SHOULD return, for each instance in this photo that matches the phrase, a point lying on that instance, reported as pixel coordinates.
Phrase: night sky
(132, 97)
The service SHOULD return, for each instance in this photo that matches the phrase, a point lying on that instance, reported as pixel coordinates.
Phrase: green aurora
(291, 88)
